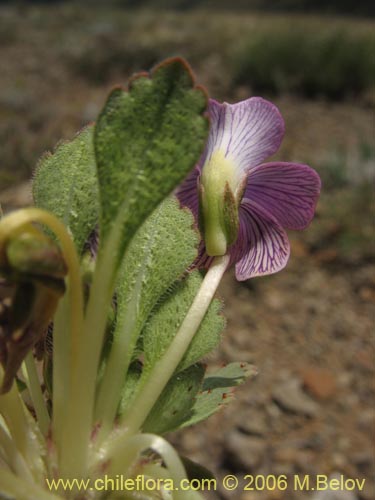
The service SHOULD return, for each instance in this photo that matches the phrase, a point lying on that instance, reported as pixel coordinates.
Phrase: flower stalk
(78, 425)
(33, 384)
(18, 487)
(166, 366)
(11, 455)
(23, 430)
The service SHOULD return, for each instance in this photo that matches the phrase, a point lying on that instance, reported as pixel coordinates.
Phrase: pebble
(364, 461)
(290, 397)
(269, 495)
(319, 382)
(252, 422)
(334, 495)
(366, 420)
(368, 492)
(365, 359)
(339, 461)
(287, 455)
(245, 452)
(252, 496)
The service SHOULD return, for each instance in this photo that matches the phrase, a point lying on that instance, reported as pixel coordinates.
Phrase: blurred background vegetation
(316, 60)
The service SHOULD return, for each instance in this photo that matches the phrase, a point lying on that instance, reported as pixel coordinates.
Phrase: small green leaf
(167, 318)
(146, 141)
(175, 403)
(217, 390)
(65, 184)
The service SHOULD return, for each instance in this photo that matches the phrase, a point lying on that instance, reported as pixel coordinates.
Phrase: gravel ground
(310, 409)
(309, 329)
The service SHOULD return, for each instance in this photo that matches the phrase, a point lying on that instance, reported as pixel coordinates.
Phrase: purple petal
(262, 246)
(288, 191)
(187, 192)
(248, 132)
(203, 261)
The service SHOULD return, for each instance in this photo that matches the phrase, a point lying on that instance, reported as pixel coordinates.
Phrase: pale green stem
(13, 457)
(63, 337)
(133, 496)
(166, 366)
(154, 470)
(124, 454)
(157, 472)
(77, 425)
(110, 388)
(109, 393)
(12, 411)
(61, 369)
(13, 486)
(15, 223)
(124, 340)
(19, 425)
(36, 393)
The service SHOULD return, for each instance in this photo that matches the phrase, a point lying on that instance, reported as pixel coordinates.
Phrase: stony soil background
(309, 329)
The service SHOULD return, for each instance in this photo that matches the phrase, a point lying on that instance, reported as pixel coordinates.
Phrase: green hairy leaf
(159, 254)
(146, 141)
(65, 184)
(167, 318)
(161, 250)
(175, 403)
(217, 390)
(132, 379)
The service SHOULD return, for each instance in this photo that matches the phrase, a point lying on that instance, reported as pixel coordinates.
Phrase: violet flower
(243, 205)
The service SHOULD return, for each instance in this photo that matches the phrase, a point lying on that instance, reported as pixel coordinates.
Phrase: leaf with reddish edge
(146, 140)
(217, 390)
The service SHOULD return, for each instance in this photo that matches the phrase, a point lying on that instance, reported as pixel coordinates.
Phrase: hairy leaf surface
(146, 140)
(175, 403)
(65, 183)
(217, 390)
(168, 317)
(158, 255)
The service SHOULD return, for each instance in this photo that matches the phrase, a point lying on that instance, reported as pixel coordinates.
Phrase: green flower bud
(34, 266)
(34, 254)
